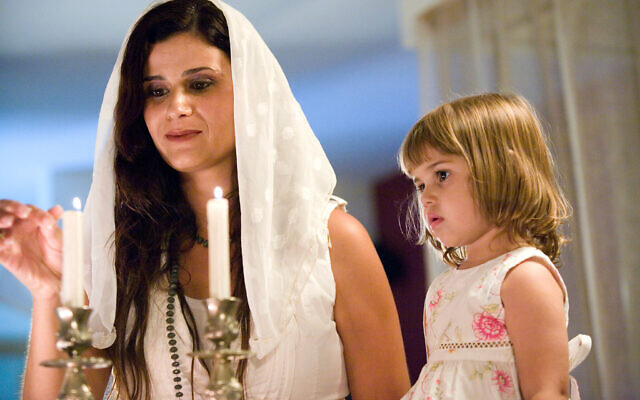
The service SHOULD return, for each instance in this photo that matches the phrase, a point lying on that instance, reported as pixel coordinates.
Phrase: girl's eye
(201, 85)
(156, 92)
(442, 175)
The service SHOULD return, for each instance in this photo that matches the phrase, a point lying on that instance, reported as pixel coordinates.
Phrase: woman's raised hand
(31, 247)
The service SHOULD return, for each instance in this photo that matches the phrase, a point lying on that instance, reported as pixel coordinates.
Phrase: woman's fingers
(10, 210)
(6, 221)
(56, 211)
(42, 218)
(14, 207)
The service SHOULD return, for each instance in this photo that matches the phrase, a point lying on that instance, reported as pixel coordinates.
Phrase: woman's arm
(31, 249)
(365, 314)
(534, 316)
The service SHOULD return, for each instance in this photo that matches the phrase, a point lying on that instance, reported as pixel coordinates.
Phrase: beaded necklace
(204, 242)
(171, 334)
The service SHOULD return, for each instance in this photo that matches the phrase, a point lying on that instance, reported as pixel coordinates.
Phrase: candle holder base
(222, 330)
(74, 337)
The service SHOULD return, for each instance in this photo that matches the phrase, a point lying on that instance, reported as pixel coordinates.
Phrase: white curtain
(578, 62)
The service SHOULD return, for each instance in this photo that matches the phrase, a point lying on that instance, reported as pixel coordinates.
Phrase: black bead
(172, 342)
(171, 300)
(170, 320)
(177, 379)
(177, 387)
(176, 371)
(173, 349)
(170, 313)
(175, 364)
(171, 335)
(174, 356)
(170, 327)
(179, 394)
(172, 292)
(170, 306)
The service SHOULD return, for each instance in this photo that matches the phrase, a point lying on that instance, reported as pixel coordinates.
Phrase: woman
(201, 102)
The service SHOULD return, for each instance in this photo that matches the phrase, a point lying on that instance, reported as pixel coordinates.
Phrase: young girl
(495, 322)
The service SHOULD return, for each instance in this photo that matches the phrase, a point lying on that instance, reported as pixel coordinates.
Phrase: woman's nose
(179, 106)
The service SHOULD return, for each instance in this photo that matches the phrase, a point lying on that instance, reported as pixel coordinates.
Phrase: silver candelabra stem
(222, 330)
(74, 337)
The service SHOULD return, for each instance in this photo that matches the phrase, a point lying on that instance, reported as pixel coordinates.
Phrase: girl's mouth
(434, 220)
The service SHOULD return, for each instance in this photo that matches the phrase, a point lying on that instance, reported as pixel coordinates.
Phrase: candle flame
(77, 204)
(217, 192)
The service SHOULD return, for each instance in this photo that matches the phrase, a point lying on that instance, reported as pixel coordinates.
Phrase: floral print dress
(469, 354)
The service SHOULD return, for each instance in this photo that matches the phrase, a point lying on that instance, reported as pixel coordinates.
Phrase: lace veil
(285, 182)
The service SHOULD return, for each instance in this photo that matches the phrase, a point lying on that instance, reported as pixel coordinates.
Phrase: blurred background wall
(363, 72)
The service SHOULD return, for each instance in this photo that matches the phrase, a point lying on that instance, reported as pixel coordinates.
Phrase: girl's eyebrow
(436, 163)
(190, 71)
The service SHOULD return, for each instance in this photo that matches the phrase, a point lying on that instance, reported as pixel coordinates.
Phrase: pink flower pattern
(435, 300)
(488, 327)
(503, 380)
(463, 308)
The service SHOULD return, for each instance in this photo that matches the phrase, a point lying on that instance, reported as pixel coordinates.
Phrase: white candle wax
(72, 292)
(218, 225)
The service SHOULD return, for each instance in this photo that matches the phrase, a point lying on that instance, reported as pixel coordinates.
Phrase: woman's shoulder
(345, 227)
(353, 255)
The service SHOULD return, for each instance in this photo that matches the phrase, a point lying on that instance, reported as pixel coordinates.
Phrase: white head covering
(284, 178)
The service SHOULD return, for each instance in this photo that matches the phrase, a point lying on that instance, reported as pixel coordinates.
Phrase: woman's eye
(156, 92)
(442, 175)
(201, 85)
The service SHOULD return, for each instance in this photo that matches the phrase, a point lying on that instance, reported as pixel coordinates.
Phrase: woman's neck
(198, 189)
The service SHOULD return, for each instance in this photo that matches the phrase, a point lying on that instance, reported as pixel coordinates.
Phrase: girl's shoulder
(528, 257)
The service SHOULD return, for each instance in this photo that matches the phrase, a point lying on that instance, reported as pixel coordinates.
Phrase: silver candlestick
(222, 330)
(74, 337)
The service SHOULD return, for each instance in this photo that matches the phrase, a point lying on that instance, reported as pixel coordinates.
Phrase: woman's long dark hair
(152, 215)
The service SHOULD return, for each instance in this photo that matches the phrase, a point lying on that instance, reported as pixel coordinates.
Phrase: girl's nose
(179, 106)
(427, 197)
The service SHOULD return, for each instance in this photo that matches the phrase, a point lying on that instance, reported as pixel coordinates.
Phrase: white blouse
(308, 363)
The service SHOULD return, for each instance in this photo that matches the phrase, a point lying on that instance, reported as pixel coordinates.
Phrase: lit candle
(72, 292)
(218, 225)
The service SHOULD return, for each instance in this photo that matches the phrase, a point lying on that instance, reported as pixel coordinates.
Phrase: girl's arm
(534, 315)
(365, 314)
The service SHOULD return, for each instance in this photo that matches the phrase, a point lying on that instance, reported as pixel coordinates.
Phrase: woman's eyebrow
(185, 73)
(153, 78)
(198, 69)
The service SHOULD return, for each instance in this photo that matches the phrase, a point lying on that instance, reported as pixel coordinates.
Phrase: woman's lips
(182, 135)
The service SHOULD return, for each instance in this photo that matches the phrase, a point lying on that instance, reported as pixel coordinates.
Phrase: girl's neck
(198, 189)
(491, 245)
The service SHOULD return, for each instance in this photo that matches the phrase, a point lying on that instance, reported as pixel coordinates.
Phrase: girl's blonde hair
(511, 168)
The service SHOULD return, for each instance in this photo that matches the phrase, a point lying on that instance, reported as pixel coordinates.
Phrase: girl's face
(444, 185)
(189, 104)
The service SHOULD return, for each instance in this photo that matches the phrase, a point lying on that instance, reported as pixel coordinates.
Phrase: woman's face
(189, 104)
